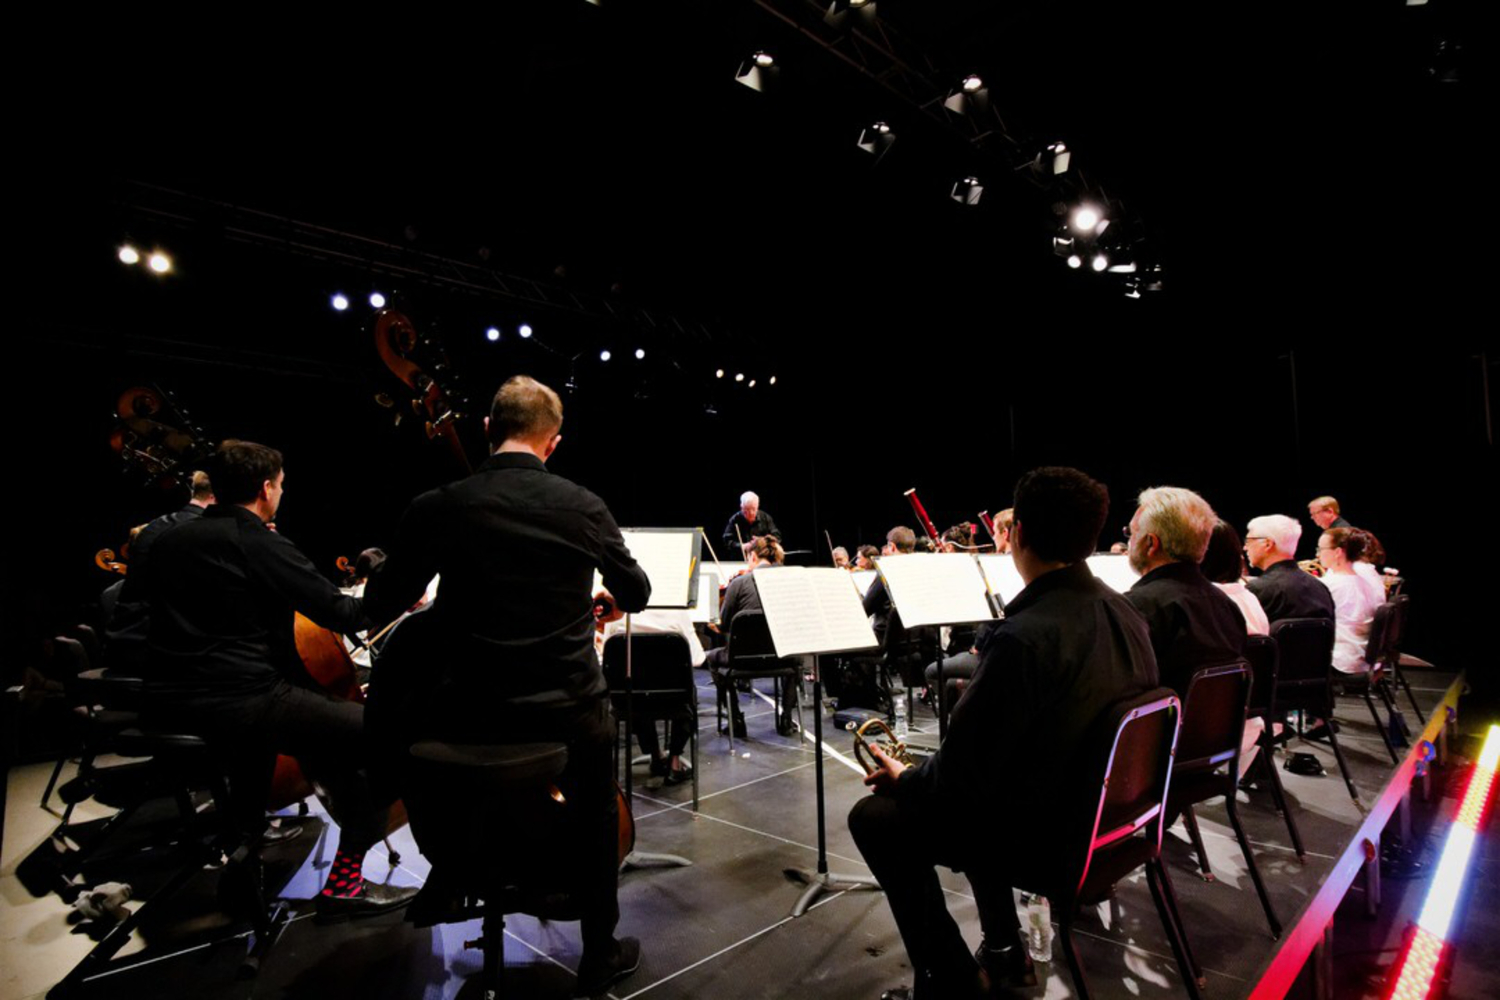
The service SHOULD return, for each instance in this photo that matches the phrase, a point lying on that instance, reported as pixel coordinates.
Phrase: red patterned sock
(345, 878)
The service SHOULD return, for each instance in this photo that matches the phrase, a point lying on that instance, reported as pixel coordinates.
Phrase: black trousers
(325, 735)
(903, 845)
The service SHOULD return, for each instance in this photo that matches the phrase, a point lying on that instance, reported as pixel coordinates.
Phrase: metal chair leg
(1401, 680)
(1338, 753)
(1191, 822)
(1080, 982)
(1278, 793)
(1260, 886)
(1380, 727)
(1166, 908)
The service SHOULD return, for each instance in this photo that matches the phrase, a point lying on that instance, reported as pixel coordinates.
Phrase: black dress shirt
(1069, 647)
(516, 547)
(1287, 592)
(129, 622)
(1193, 624)
(762, 525)
(223, 589)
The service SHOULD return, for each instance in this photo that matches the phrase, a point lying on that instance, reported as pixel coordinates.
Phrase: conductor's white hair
(748, 497)
(1284, 532)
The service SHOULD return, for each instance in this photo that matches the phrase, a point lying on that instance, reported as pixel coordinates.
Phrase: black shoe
(738, 725)
(678, 777)
(596, 977)
(373, 898)
(660, 767)
(276, 834)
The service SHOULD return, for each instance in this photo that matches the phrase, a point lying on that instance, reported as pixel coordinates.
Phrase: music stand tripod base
(829, 882)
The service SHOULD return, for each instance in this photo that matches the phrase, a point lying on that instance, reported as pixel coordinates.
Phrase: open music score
(670, 558)
(863, 579)
(707, 608)
(937, 589)
(1004, 579)
(813, 610)
(1113, 570)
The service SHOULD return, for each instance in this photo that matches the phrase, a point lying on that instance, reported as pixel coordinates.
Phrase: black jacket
(1193, 624)
(1287, 592)
(516, 547)
(762, 525)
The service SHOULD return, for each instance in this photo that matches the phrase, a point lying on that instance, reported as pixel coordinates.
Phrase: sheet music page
(1005, 580)
(813, 610)
(670, 557)
(863, 578)
(1114, 570)
(936, 589)
(707, 608)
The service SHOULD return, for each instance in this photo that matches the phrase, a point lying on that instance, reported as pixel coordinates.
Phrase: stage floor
(721, 927)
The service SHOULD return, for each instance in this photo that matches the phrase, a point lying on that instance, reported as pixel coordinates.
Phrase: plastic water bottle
(1038, 927)
(900, 706)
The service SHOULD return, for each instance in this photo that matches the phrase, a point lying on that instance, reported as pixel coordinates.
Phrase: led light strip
(1419, 964)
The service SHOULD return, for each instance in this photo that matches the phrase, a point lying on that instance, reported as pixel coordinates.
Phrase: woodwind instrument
(927, 524)
(989, 525)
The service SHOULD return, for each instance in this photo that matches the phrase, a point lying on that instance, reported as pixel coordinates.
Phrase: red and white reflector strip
(1419, 964)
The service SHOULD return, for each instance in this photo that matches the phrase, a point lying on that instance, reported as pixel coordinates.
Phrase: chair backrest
(659, 663)
(1378, 644)
(89, 639)
(1264, 659)
(1304, 678)
(1397, 632)
(750, 637)
(1213, 717)
(1135, 741)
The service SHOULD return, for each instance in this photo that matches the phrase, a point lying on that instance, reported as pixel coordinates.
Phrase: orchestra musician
(765, 554)
(517, 548)
(1282, 588)
(1068, 648)
(223, 589)
(747, 524)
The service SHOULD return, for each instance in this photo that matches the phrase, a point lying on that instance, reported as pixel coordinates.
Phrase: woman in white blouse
(1355, 596)
(1224, 564)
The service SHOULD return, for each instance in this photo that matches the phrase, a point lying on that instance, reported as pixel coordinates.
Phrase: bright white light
(1085, 219)
(159, 262)
(719, 373)
(605, 355)
(1489, 757)
(1100, 262)
(1075, 261)
(524, 330)
(772, 380)
(492, 334)
(129, 255)
(340, 302)
(1437, 912)
(972, 83)
(763, 59)
(740, 377)
(377, 301)
(751, 385)
(640, 353)
(1126, 268)
(882, 127)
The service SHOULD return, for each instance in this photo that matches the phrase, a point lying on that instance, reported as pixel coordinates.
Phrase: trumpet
(887, 742)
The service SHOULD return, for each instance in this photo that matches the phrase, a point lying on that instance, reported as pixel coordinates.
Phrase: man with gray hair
(748, 524)
(1282, 588)
(1193, 624)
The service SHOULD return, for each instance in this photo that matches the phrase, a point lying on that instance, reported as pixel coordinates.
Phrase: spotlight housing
(967, 191)
(759, 72)
(876, 139)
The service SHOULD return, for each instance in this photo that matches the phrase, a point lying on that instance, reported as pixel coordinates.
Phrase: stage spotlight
(492, 334)
(159, 262)
(758, 72)
(967, 191)
(1086, 218)
(772, 380)
(129, 255)
(640, 353)
(1060, 157)
(377, 301)
(751, 384)
(1075, 261)
(1100, 262)
(524, 330)
(1126, 268)
(862, 10)
(876, 139)
(605, 355)
(740, 377)
(340, 302)
(719, 373)
(971, 98)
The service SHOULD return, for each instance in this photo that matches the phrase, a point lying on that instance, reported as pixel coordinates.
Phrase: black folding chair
(751, 654)
(1115, 826)
(662, 686)
(1208, 761)
(1304, 682)
(1391, 655)
(1261, 654)
(1375, 680)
